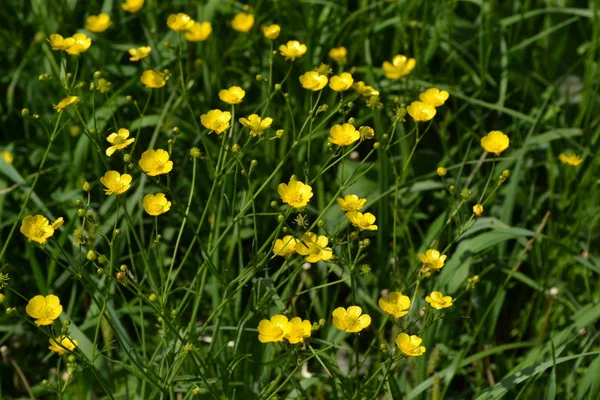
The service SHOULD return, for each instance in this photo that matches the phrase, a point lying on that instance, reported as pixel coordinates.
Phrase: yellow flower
(410, 345)
(66, 102)
(286, 246)
(314, 247)
(300, 330)
(338, 54)
(495, 142)
(396, 304)
(103, 85)
(571, 159)
(478, 210)
(37, 228)
(153, 79)
(132, 5)
(233, 95)
(98, 23)
(432, 259)
(242, 22)
(341, 82)
(180, 22)
(8, 157)
(399, 67)
(156, 162)
(362, 221)
(58, 223)
(216, 120)
(115, 183)
(438, 301)
(292, 50)
(62, 345)
(434, 97)
(421, 112)
(343, 135)
(365, 90)
(350, 320)
(312, 80)
(80, 44)
(274, 330)
(351, 202)
(295, 193)
(271, 31)
(44, 309)
(256, 124)
(139, 53)
(59, 43)
(118, 140)
(156, 204)
(199, 32)
(441, 171)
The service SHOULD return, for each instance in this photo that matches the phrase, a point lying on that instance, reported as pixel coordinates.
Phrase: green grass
(528, 328)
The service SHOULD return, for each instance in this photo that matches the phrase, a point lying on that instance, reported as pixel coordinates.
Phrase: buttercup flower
(286, 246)
(242, 22)
(8, 157)
(132, 5)
(434, 97)
(351, 202)
(118, 140)
(312, 80)
(421, 112)
(315, 247)
(300, 330)
(338, 54)
(274, 330)
(341, 82)
(350, 320)
(59, 43)
(98, 23)
(292, 50)
(216, 120)
(271, 31)
(572, 160)
(256, 124)
(156, 204)
(399, 67)
(156, 162)
(115, 183)
(180, 22)
(432, 259)
(199, 32)
(365, 90)
(80, 44)
(233, 95)
(343, 135)
(295, 193)
(66, 102)
(153, 79)
(139, 53)
(438, 301)
(63, 344)
(37, 228)
(362, 221)
(495, 142)
(44, 309)
(410, 345)
(396, 304)
(478, 210)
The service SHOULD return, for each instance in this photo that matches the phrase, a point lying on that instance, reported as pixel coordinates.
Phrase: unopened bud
(441, 171)
(91, 255)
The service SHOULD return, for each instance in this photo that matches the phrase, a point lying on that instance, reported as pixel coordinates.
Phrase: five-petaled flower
(233, 95)
(343, 135)
(156, 204)
(139, 53)
(312, 80)
(98, 23)
(314, 247)
(301, 329)
(351, 202)
(199, 32)
(180, 22)
(132, 5)
(44, 309)
(153, 79)
(341, 82)
(421, 112)
(115, 183)
(495, 142)
(432, 259)
(256, 124)
(62, 345)
(216, 120)
(295, 193)
(571, 159)
(118, 140)
(80, 44)
(271, 32)
(396, 304)
(434, 97)
(66, 102)
(38, 229)
(410, 345)
(292, 50)
(285, 246)
(338, 54)
(399, 67)
(274, 330)
(242, 22)
(156, 162)
(438, 301)
(350, 320)
(362, 221)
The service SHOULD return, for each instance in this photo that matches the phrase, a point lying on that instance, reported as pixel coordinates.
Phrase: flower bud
(274, 204)
(176, 130)
(97, 74)
(280, 218)
(279, 133)
(102, 259)
(278, 86)
(100, 271)
(2, 297)
(260, 77)
(153, 297)
(236, 148)
(195, 152)
(120, 276)
(320, 223)
(441, 171)
(86, 186)
(351, 121)
(465, 194)
(25, 112)
(253, 164)
(127, 158)
(123, 268)
(376, 145)
(81, 212)
(79, 203)
(129, 98)
(451, 188)
(92, 255)
(478, 210)
(116, 233)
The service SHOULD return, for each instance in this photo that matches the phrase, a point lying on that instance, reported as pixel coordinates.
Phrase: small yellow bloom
(199, 32)
(118, 140)
(292, 50)
(256, 124)
(274, 330)
(139, 53)
(271, 31)
(233, 95)
(8, 157)
(478, 210)
(300, 330)
(81, 43)
(396, 304)
(66, 102)
(362, 221)
(44, 309)
(341, 82)
(365, 90)
(62, 344)
(115, 183)
(441, 171)
(338, 54)
(295, 193)
(572, 160)
(434, 97)
(286, 246)
(153, 79)
(351, 202)
(103, 85)
(495, 142)
(242, 22)
(155, 162)
(59, 43)
(180, 22)
(314, 247)
(421, 112)
(216, 120)
(312, 80)
(58, 223)
(156, 204)
(132, 5)
(350, 320)
(438, 301)
(399, 67)
(343, 135)
(98, 23)
(432, 259)
(410, 345)
(37, 228)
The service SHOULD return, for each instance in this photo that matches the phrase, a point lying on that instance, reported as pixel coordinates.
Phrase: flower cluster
(280, 328)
